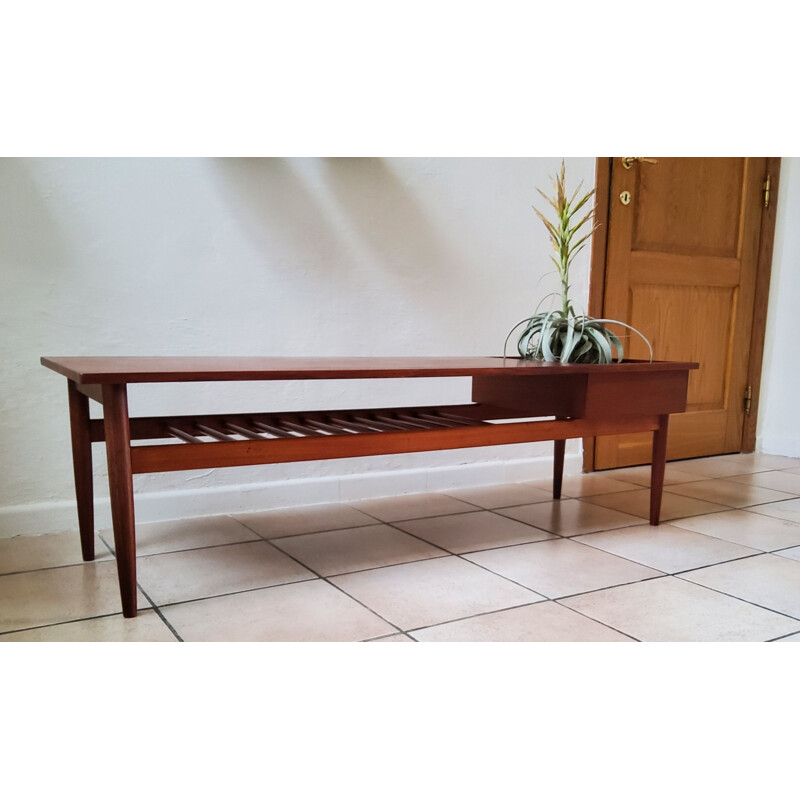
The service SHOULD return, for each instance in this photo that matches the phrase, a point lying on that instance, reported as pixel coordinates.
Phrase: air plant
(562, 335)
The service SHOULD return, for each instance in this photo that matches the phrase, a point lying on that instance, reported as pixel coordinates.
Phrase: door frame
(597, 285)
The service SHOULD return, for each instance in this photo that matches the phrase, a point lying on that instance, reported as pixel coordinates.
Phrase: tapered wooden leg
(120, 482)
(82, 468)
(559, 446)
(657, 467)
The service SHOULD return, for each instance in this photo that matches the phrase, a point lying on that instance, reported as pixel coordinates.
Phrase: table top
(166, 369)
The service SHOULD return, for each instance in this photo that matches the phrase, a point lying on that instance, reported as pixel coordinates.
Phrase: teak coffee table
(579, 400)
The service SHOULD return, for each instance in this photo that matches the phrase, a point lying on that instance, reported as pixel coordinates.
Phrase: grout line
(339, 589)
(779, 550)
(780, 638)
(742, 599)
(719, 563)
(614, 586)
(415, 519)
(386, 636)
(158, 612)
(689, 569)
(80, 563)
(583, 614)
(60, 623)
(337, 528)
(410, 631)
(663, 521)
(236, 591)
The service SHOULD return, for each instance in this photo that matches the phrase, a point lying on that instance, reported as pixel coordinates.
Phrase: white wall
(779, 420)
(276, 256)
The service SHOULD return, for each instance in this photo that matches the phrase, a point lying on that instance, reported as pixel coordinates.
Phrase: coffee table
(513, 401)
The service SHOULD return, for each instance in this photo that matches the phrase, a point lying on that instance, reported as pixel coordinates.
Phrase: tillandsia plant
(561, 334)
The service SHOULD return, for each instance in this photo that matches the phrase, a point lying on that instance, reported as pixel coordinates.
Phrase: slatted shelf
(295, 425)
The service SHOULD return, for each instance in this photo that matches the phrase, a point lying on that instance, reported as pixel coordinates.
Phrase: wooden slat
(273, 429)
(214, 433)
(419, 422)
(445, 423)
(242, 431)
(461, 420)
(358, 426)
(164, 458)
(183, 435)
(403, 424)
(336, 430)
(305, 430)
(381, 425)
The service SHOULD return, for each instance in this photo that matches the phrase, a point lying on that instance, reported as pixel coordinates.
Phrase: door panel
(687, 205)
(681, 267)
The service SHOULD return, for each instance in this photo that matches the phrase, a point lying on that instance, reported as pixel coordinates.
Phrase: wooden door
(681, 264)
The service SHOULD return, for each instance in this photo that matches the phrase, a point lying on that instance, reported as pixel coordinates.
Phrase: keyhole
(625, 198)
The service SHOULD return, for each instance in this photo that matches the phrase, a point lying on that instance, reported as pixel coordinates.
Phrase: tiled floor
(498, 563)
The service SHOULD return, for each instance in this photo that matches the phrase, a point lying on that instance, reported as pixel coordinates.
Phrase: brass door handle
(627, 162)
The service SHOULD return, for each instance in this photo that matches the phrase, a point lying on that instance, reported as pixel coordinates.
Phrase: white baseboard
(61, 515)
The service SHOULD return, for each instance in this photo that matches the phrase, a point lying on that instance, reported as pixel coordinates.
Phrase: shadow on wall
(385, 214)
(350, 222)
(276, 208)
(33, 241)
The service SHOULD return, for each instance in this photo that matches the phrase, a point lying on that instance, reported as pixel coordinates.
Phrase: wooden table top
(165, 369)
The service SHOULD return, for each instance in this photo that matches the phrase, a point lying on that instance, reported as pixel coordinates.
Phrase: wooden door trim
(763, 273)
(597, 285)
(597, 268)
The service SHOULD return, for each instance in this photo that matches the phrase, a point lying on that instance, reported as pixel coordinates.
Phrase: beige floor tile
(638, 503)
(412, 506)
(147, 626)
(561, 567)
(714, 467)
(729, 493)
(62, 594)
(479, 530)
(312, 611)
(767, 580)
(746, 528)
(398, 637)
(192, 574)
(186, 534)
(308, 519)
(780, 481)
(765, 461)
(641, 475)
(673, 610)
(509, 494)
(792, 552)
(595, 483)
(428, 592)
(570, 517)
(24, 553)
(665, 547)
(353, 549)
(541, 622)
(786, 509)
(732, 464)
